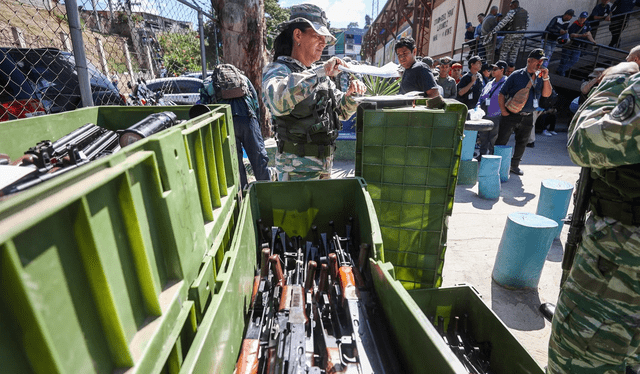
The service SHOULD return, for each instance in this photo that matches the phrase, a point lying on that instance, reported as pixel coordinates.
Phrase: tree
(242, 28)
(181, 52)
(274, 15)
(353, 25)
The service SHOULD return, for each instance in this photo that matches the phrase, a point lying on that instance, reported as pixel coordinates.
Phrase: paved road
(475, 230)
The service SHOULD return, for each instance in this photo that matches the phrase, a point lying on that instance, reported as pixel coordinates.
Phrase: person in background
(619, 19)
(489, 22)
(489, 103)
(246, 125)
(522, 122)
(477, 34)
(469, 37)
(511, 67)
(300, 96)
(456, 72)
(485, 71)
(579, 30)
(601, 12)
(417, 75)
(447, 83)
(470, 85)
(556, 28)
(546, 122)
(516, 20)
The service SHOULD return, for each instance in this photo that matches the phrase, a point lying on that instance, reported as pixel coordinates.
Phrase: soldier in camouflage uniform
(517, 19)
(305, 104)
(596, 324)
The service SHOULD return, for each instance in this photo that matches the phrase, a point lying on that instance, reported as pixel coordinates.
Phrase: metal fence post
(203, 57)
(18, 37)
(66, 43)
(127, 56)
(78, 52)
(103, 58)
(150, 59)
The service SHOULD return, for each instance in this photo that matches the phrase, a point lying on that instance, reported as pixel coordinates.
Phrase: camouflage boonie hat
(314, 16)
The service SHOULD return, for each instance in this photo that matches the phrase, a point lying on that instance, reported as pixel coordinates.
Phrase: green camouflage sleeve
(283, 89)
(605, 132)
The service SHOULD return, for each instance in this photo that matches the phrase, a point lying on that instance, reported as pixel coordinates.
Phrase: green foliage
(377, 86)
(274, 15)
(181, 52)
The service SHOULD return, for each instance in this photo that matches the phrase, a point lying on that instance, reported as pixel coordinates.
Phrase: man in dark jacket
(471, 84)
(556, 28)
(579, 30)
(601, 12)
(619, 19)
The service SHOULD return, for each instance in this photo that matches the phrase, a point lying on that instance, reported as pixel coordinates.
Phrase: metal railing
(58, 56)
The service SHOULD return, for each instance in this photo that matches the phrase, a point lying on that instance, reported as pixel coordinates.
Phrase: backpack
(226, 82)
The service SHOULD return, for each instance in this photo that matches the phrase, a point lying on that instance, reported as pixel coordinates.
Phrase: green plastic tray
(410, 158)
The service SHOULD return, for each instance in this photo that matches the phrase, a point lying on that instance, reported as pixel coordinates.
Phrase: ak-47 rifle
(574, 237)
(580, 207)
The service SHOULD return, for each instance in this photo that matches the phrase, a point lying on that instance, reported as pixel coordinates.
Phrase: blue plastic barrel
(468, 172)
(468, 144)
(505, 151)
(524, 246)
(555, 196)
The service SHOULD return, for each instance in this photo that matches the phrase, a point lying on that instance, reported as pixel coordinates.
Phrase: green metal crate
(507, 354)
(219, 338)
(410, 158)
(112, 266)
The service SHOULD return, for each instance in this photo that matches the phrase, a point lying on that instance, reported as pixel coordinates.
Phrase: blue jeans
(568, 59)
(548, 46)
(249, 136)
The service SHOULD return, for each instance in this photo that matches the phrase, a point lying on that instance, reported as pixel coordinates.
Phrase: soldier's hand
(356, 87)
(331, 66)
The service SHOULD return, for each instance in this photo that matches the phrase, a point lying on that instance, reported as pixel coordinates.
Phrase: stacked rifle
(311, 309)
(49, 159)
(474, 356)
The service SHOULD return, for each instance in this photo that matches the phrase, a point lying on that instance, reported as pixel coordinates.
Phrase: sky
(340, 12)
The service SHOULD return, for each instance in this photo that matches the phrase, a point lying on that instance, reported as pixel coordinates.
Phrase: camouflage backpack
(226, 82)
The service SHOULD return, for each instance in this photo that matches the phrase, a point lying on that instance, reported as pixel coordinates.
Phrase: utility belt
(626, 212)
(306, 149)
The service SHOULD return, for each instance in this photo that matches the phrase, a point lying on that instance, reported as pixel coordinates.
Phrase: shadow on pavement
(465, 194)
(556, 252)
(513, 192)
(518, 309)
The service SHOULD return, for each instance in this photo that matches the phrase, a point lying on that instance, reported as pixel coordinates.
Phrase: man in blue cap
(578, 31)
(556, 28)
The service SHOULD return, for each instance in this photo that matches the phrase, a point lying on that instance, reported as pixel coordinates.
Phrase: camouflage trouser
(510, 46)
(292, 167)
(596, 325)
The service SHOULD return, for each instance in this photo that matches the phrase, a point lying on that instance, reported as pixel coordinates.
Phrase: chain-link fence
(123, 42)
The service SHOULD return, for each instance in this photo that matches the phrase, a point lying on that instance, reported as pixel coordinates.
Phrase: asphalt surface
(475, 230)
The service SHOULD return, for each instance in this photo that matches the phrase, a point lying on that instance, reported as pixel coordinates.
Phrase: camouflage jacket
(283, 89)
(605, 132)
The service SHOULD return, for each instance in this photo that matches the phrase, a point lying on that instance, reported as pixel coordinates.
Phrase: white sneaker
(546, 133)
(553, 133)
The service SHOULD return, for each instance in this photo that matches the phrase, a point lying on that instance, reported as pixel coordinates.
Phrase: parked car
(180, 90)
(44, 80)
(197, 74)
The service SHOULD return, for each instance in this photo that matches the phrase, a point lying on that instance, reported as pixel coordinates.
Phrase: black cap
(538, 54)
(474, 59)
(500, 64)
(570, 12)
(485, 67)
